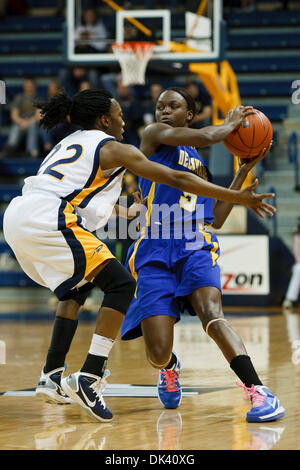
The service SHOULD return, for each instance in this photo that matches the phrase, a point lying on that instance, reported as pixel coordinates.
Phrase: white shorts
(50, 242)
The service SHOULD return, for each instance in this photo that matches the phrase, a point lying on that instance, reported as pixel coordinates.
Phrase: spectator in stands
(203, 112)
(132, 113)
(92, 35)
(129, 189)
(285, 4)
(3, 9)
(56, 134)
(248, 5)
(203, 105)
(25, 118)
(71, 78)
(149, 105)
(15, 7)
(110, 82)
(294, 284)
(47, 138)
(85, 85)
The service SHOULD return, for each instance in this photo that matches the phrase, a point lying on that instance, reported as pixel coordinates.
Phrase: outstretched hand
(248, 163)
(236, 116)
(256, 201)
(135, 209)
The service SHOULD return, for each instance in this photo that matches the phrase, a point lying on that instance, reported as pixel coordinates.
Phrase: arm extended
(222, 209)
(114, 154)
(163, 134)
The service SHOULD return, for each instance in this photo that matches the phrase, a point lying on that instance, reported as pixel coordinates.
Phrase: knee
(208, 312)
(159, 355)
(118, 286)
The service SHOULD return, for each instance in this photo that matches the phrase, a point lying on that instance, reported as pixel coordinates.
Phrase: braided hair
(82, 109)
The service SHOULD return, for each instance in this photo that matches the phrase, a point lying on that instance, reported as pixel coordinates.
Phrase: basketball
(254, 134)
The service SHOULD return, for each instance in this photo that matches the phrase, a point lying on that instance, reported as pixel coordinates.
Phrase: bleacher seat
(266, 18)
(9, 191)
(265, 87)
(28, 45)
(22, 24)
(276, 63)
(23, 69)
(41, 4)
(19, 166)
(263, 41)
(34, 59)
(274, 112)
(16, 278)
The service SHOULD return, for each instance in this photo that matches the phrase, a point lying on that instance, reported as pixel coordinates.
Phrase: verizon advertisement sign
(244, 264)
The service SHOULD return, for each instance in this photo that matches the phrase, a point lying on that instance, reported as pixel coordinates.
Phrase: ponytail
(56, 110)
(82, 109)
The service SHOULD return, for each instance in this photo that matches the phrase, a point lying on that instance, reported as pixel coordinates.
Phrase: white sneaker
(85, 389)
(287, 303)
(49, 387)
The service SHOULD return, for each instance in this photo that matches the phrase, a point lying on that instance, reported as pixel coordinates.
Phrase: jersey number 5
(63, 161)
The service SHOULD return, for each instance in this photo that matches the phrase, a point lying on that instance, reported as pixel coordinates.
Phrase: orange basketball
(254, 134)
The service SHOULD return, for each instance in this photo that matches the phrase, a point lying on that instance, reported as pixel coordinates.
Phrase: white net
(133, 58)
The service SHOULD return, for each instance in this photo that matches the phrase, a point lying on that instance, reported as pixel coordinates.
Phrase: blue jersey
(168, 267)
(186, 208)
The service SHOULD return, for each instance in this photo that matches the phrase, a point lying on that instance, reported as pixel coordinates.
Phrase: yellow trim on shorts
(131, 261)
(207, 238)
(96, 252)
(150, 201)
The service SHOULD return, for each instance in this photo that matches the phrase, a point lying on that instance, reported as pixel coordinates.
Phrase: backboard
(189, 31)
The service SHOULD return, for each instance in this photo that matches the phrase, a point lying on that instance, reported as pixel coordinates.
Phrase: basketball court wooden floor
(212, 412)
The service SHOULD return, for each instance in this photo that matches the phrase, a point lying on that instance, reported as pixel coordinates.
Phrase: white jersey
(50, 226)
(72, 171)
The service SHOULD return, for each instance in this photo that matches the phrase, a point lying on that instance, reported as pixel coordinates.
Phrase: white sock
(101, 346)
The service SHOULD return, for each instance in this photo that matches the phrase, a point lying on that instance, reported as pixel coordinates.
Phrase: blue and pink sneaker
(169, 390)
(265, 406)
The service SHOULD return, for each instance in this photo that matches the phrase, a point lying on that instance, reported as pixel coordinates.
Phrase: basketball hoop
(133, 57)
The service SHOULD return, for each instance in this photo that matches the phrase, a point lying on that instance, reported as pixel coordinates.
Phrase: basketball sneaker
(265, 406)
(169, 390)
(168, 427)
(49, 387)
(85, 389)
(263, 437)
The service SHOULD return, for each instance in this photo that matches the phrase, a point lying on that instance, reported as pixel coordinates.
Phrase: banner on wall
(244, 263)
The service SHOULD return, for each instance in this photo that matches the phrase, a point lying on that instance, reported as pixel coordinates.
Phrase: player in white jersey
(50, 230)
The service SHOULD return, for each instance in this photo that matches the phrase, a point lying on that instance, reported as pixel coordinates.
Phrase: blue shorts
(166, 273)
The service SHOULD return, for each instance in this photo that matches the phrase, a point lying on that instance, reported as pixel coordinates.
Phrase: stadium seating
(266, 18)
(264, 78)
(39, 24)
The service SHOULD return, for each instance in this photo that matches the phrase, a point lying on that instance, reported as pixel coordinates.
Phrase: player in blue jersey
(51, 229)
(174, 260)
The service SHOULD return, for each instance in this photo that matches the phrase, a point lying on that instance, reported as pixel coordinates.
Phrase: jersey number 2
(63, 161)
